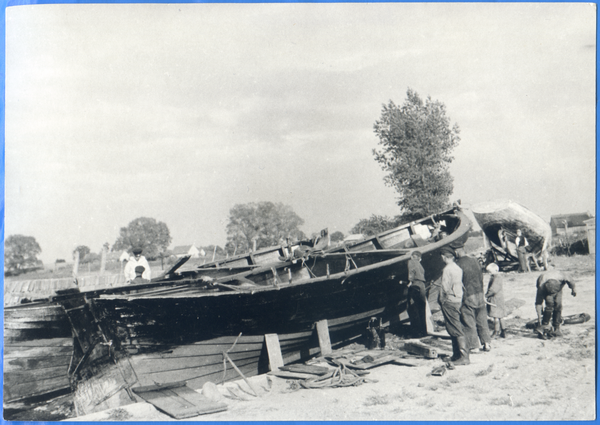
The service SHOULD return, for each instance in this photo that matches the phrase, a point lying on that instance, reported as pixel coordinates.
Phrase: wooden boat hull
(148, 335)
(38, 348)
(510, 216)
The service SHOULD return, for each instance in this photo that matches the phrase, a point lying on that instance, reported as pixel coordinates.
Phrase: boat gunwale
(463, 227)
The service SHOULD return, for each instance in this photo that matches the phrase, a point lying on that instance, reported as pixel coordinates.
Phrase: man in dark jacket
(473, 311)
(139, 271)
(417, 295)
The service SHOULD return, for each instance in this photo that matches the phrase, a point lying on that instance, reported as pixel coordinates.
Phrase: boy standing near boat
(451, 295)
(417, 295)
(495, 300)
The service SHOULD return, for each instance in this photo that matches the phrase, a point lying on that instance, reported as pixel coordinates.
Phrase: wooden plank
(15, 389)
(302, 368)
(29, 352)
(274, 350)
(181, 402)
(34, 363)
(324, 341)
(291, 375)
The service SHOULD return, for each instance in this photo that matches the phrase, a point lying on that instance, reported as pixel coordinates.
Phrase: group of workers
(466, 307)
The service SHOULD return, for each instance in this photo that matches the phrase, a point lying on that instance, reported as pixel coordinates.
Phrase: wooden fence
(15, 291)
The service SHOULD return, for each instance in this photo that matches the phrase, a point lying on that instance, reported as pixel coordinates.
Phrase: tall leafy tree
(374, 225)
(415, 145)
(83, 252)
(337, 236)
(20, 252)
(267, 223)
(146, 233)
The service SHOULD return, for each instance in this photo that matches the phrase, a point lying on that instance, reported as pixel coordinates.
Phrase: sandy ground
(523, 378)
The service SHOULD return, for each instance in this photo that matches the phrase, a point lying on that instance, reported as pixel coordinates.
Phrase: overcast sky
(180, 111)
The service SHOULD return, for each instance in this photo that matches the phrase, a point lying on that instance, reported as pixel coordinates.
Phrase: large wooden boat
(505, 217)
(186, 326)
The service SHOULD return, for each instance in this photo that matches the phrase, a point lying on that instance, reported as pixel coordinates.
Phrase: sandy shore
(523, 378)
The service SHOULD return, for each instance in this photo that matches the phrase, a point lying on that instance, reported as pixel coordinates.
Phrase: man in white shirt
(137, 260)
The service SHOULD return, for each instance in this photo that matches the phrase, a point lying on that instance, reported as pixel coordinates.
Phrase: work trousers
(416, 309)
(523, 264)
(475, 325)
(553, 309)
(451, 312)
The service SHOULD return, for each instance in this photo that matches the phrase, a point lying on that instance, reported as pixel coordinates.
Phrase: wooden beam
(274, 350)
(324, 341)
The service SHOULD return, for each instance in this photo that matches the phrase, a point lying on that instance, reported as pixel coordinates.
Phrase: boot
(546, 318)
(503, 334)
(455, 350)
(557, 332)
(464, 352)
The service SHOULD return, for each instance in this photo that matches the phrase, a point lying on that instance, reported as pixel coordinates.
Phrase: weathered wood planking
(179, 401)
(35, 322)
(35, 368)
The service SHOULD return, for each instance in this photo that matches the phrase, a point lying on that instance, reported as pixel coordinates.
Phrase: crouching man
(549, 291)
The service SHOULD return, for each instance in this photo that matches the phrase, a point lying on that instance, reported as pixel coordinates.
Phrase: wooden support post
(103, 260)
(76, 264)
(324, 341)
(274, 351)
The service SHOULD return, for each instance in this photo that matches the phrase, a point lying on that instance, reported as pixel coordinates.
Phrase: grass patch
(426, 403)
(501, 401)
(376, 400)
(580, 350)
(485, 371)
(541, 403)
(406, 395)
(119, 415)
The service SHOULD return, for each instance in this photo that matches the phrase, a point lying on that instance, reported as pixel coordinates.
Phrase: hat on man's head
(140, 269)
(416, 254)
(136, 251)
(448, 252)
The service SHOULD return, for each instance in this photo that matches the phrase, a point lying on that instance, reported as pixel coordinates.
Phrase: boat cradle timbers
(191, 330)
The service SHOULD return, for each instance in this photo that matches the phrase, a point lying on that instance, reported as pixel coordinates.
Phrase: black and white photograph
(299, 212)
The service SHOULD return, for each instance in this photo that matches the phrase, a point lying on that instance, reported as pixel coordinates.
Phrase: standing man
(417, 295)
(451, 295)
(522, 244)
(137, 260)
(549, 290)
(473, 312)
